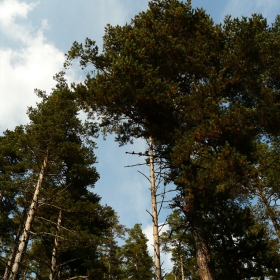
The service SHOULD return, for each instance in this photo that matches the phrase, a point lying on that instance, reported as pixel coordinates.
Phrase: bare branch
(54, 206)
(45, 233)
(42, 218)
(164, 192)
(144, 176)
(133, 165)
(149, 213)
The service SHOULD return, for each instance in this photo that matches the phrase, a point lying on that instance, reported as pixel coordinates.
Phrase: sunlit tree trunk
(55, 271)
(154, 213)
(26, 231)
(13, 254)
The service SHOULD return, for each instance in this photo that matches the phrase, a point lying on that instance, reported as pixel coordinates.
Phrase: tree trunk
(13, 254)
(154, 213)
(29, 220)
(182, 267)
(54, 273)
(203, 256)
(270, 212)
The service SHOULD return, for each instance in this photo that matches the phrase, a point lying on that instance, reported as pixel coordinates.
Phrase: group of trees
(52, 224)
(208, 97)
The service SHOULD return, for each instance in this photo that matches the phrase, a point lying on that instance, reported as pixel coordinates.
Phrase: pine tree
(110, 250)
(52, 149)
(137, 263)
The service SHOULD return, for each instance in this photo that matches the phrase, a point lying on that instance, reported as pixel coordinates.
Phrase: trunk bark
(270, 212)
(203, 256)
(13, 254)
(30, 217)
(182, 267)
(154, 213)
(55, 272)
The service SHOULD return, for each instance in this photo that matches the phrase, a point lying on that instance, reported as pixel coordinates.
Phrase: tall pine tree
(57, 163)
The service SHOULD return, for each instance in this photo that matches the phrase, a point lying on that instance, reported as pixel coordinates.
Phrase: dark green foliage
(241, 245)
(137, 263)
(80, 240)
(13, 180)
(178, 241)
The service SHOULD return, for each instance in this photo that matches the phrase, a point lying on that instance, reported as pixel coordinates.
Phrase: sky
(35, 35)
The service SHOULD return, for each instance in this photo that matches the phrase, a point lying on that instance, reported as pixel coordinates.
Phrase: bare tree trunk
(30, 217)
(203, 256)
(154, 213)
(270, 212)
(54, 273)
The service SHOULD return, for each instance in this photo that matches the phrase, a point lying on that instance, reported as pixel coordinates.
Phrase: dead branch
(44, 219)
(144, 176)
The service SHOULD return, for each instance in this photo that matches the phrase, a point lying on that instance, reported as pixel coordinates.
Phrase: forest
(206, 97)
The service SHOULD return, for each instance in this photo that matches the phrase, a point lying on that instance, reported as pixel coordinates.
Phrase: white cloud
(11, 9)
(29, 62)
(238, 8)
(10, 12)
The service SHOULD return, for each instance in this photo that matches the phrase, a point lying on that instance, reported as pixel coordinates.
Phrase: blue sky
(35, 35)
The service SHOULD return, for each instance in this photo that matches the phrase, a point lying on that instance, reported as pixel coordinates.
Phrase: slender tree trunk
(54, 273)
(154, 213)
(29, 220)
(270, 212)
(182, 267)
(109, 264)
(203, 255)
(13, 254)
